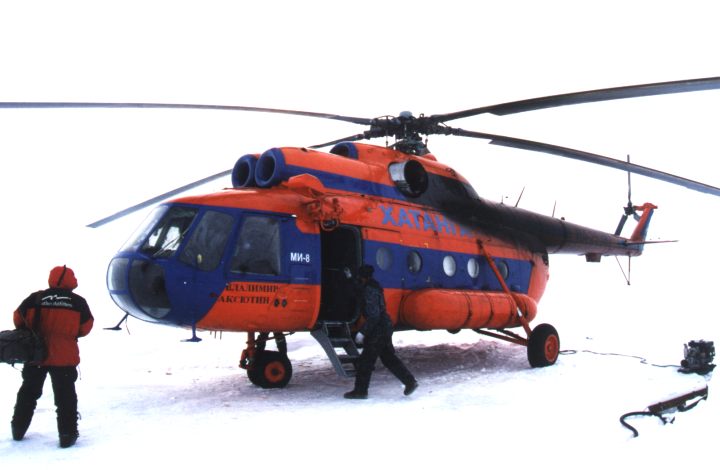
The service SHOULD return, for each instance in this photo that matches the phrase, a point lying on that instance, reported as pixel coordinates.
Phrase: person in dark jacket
(64, 316)
(376, 337)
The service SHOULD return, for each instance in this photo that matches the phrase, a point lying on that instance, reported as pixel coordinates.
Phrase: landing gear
(266, 369)
(543, 343)
(543, 346)
(272, 369)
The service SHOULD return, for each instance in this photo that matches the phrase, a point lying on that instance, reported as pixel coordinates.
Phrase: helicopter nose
(138, 287)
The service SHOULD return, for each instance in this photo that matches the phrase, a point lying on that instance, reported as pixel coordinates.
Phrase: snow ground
(148, 398)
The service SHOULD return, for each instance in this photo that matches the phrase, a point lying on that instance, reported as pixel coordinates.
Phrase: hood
(62, 277)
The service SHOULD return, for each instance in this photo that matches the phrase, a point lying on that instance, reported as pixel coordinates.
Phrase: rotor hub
(407, 131)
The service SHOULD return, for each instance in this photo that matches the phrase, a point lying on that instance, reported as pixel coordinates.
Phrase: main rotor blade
(605, 94)
(215, 107)
(590, 158)
(351, 138)
(157, 199)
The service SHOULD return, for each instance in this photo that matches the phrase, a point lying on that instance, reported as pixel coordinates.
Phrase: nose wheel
(266, 369)
(272, 369)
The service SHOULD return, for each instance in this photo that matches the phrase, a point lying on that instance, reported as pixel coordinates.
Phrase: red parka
(64, 317)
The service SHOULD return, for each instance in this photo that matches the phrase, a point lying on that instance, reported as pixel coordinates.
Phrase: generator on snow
(698, 357)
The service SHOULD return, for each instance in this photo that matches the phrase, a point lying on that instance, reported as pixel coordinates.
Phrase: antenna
(626, 276)
(520, 196)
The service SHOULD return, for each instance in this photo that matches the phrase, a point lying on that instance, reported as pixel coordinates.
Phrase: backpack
(23, 345)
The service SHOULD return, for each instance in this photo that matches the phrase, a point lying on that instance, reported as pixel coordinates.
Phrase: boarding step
(336, 338)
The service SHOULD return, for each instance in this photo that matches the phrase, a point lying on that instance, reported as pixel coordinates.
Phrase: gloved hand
(359, 337)
(347, 273)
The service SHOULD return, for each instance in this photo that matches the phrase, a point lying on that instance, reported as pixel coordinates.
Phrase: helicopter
(273, 254)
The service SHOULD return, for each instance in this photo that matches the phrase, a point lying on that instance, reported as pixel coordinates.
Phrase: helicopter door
(340, 250)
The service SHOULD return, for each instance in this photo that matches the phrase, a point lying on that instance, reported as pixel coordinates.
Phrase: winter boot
(356, 394)
(410, 387)
(362, 383)
(18, 430)
(68, 429)
(19, 426)
(68, 439)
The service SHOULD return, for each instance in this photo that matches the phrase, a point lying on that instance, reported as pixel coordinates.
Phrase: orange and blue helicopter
(272, 255)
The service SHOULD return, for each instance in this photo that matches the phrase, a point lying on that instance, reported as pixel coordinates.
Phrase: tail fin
(640, 232)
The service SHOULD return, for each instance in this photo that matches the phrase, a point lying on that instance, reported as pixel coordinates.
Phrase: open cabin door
(341, 248)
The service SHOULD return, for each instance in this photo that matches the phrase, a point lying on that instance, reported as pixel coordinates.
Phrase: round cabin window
(414, 262)
(383, 258)
(503, 268)
(473, 268)
(449, 265)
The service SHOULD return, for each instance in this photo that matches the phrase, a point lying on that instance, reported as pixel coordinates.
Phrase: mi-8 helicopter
(270, 255)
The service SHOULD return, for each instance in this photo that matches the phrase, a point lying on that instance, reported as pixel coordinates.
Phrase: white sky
(61, 169)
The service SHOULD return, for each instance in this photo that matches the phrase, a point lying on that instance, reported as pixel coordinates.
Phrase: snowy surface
(148, 398)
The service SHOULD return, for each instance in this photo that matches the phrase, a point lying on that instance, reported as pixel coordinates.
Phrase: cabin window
(503, 268)
(383, 258)
(414, 262)
(206, 245)
(165, 238)
(449, 265)
(473, 268)
(257, 250)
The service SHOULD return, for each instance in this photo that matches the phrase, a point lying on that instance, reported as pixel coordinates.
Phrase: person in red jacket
(64, 316)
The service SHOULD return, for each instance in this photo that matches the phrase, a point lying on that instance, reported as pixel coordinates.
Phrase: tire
(543, 346)
(272, 369)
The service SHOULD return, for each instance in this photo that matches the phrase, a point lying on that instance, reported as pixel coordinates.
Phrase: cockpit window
(207, 242)
(257, 250)
(165, 238)
(142, 232)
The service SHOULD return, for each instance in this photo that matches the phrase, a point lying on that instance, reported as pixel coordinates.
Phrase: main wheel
(543, 346)
(271, 369)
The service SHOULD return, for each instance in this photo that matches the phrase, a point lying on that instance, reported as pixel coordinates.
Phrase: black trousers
(63, 384)
(379, 346)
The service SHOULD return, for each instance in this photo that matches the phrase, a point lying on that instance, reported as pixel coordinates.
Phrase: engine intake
(243, 173)
(271, 168)
(410, 177)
